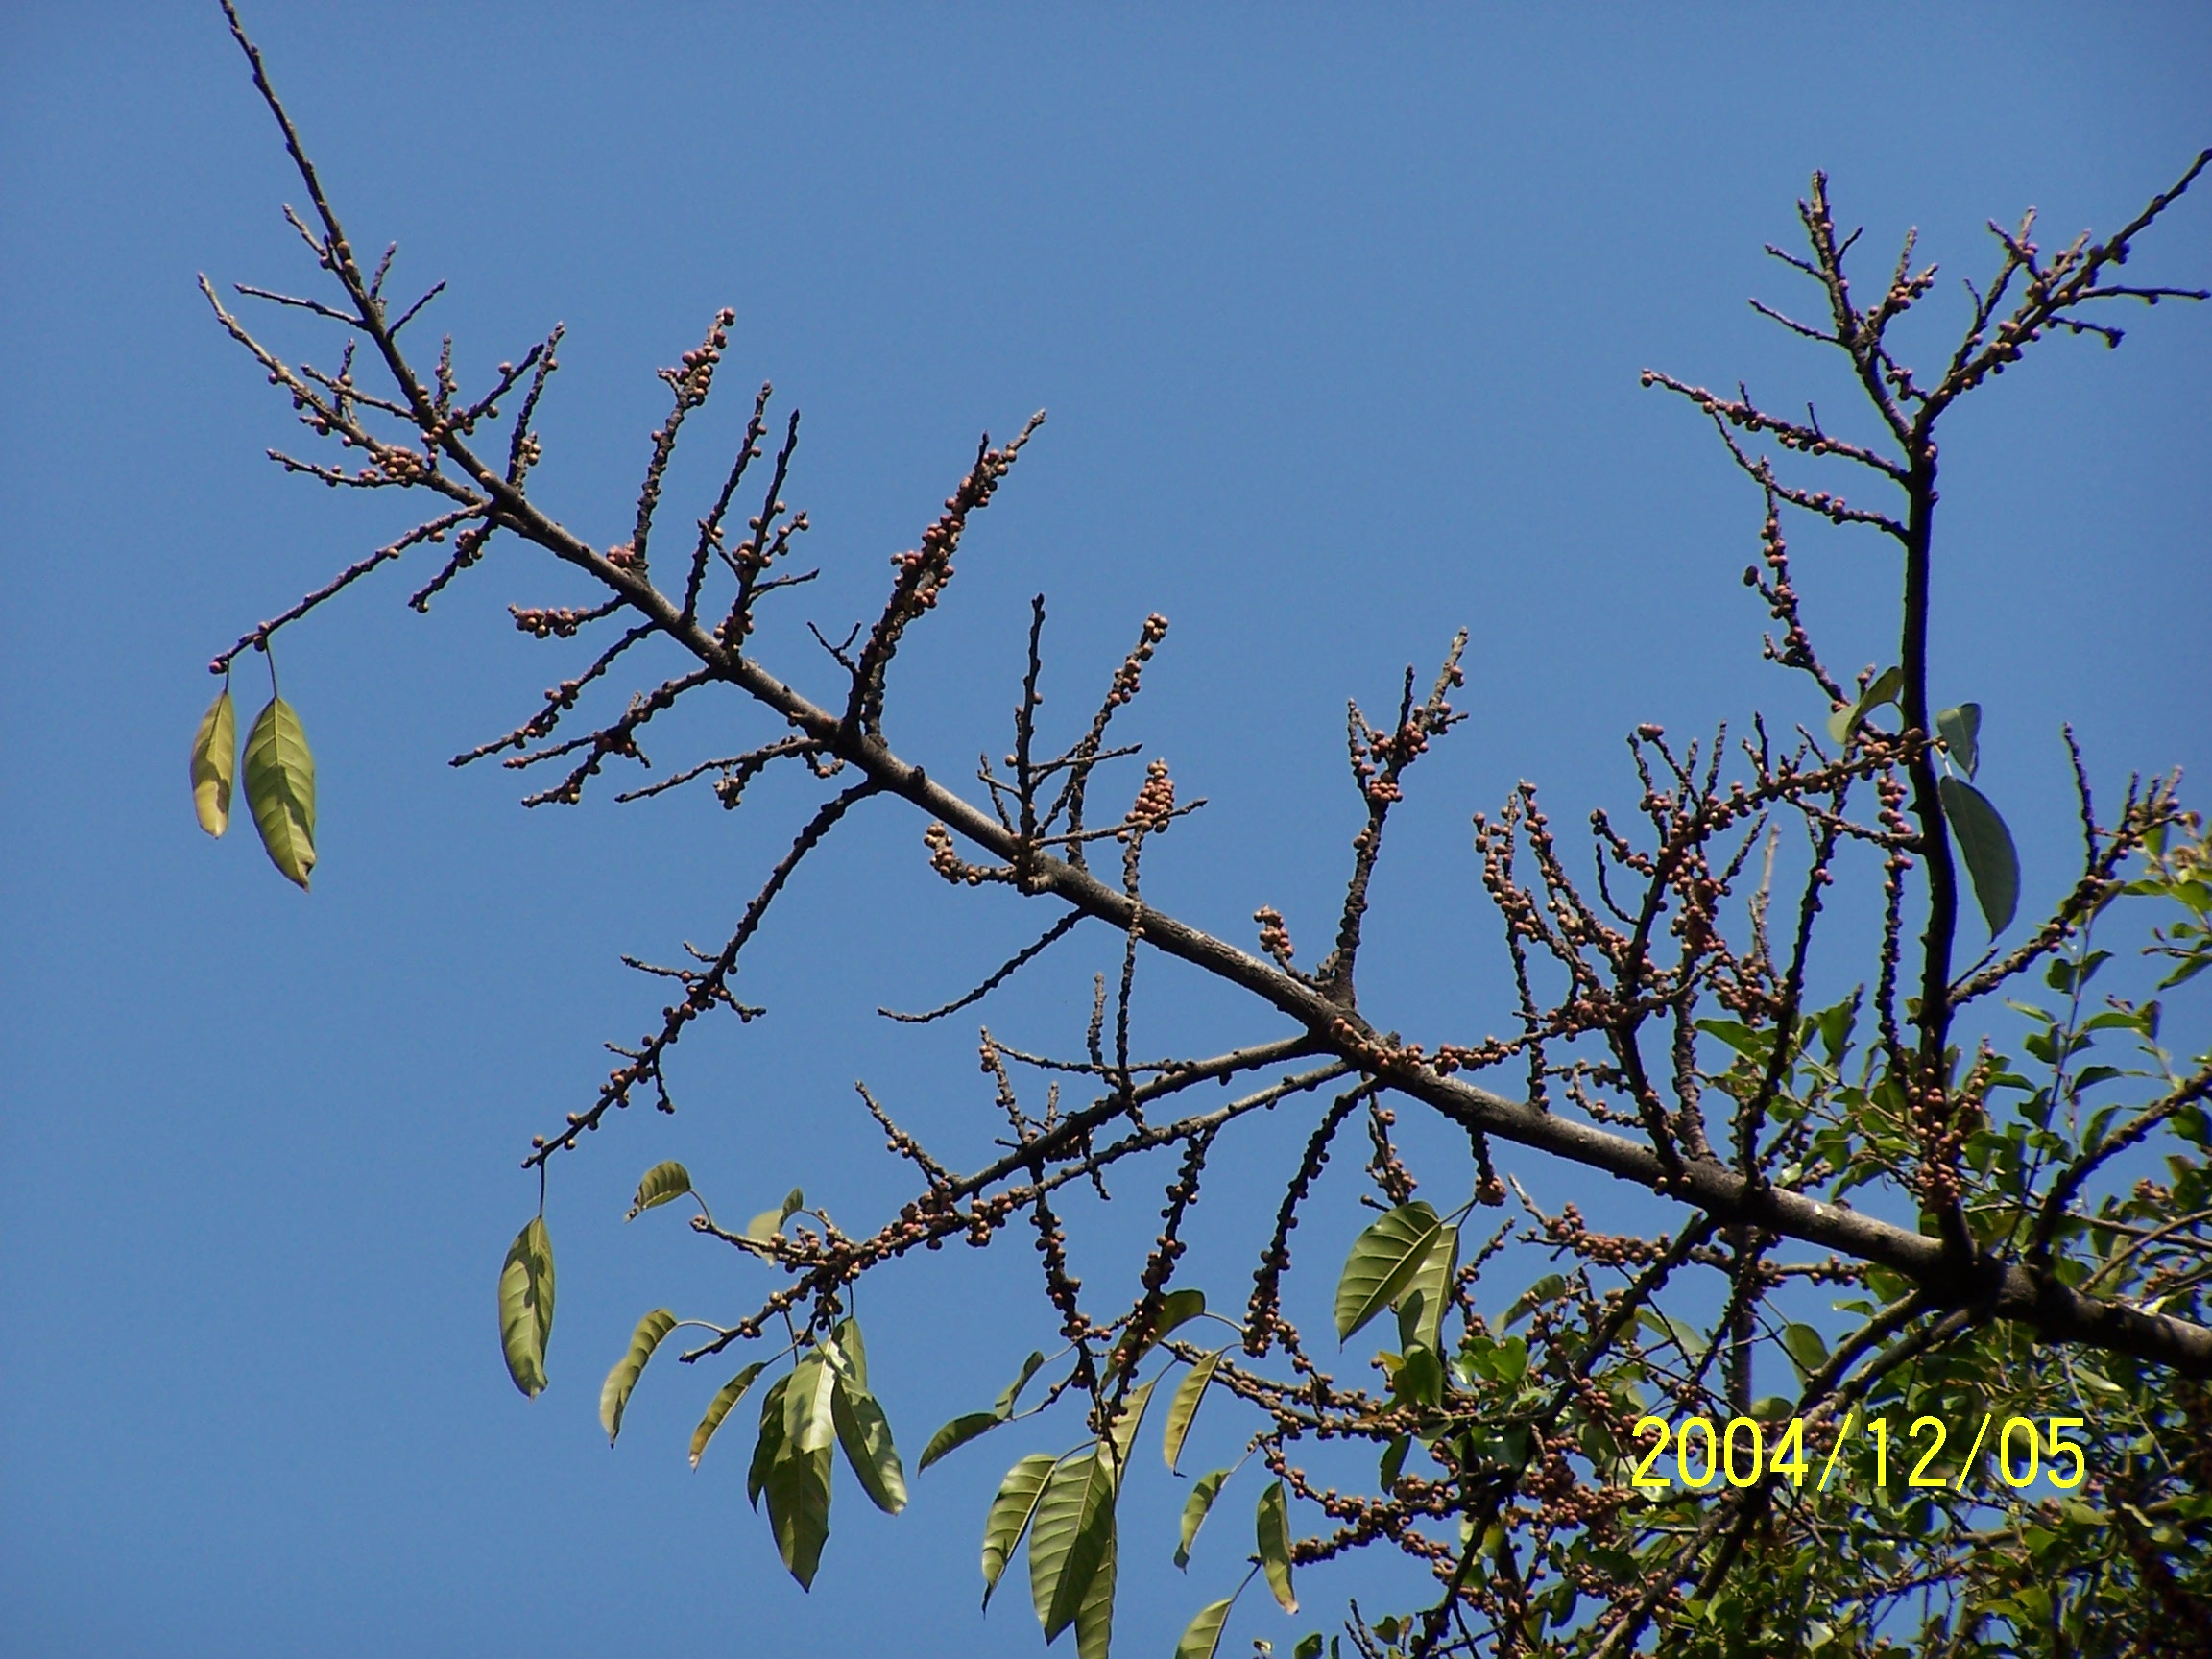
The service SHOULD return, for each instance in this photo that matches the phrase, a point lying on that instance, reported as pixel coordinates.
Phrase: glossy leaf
(1069, 1536)
(866, 1437)
(1004, 1408)
(1428, 1293)
(659, 1184)
(957, 1435)
(720, 1406)
(1202, 1636)
(215, 763)
(1986, 846)
(615, 1392)
(1194, 1511)
(1960, 730)
(280, 789)
(809, 1420)
(1010, 1514)
(526, 1306)
(1184, 1406)
(1273, 1525)
(1383, 1260)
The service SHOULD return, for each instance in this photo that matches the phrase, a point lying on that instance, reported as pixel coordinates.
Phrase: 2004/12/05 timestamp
(1703, 1455)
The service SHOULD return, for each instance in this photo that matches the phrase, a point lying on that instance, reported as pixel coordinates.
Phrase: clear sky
(1338, 315)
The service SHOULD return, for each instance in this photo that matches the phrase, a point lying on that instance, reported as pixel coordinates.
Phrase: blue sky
(1338, 316)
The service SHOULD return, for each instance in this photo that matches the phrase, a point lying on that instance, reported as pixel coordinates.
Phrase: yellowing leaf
(1010, 1514)
(214, 763)
(1184, 1406)
(659, 1184)
(615, 1392)
(1383, 1260)
(1202, 1636)
(526, 1306)
(720, 1406)
(1273, 1522)
(1194, 1511)
(280, 789)
(1070, 1536)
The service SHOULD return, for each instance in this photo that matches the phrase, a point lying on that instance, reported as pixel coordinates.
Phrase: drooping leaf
(1202, 1636)
(1176, 1308)
(1273, 1525)
(1393, 1462)
(1384, 1260)
(1428, 1293)
(1194, 1509)
(1094, 1615)
(1184, 1406)
(798, 1490)
(1012, 1392)
(659, 1184)
(957, 1435)
(215, 763)
(1011, 1510)
(809, 1420)
(1069, 1536)
(1986, 846)
(280, 789)
(720, 1406)
(615, 1392)
(526, 1306)
(770, 1445)
(866, 1437)
(1960, 730)
(1125, 1422)
(1805, 1346)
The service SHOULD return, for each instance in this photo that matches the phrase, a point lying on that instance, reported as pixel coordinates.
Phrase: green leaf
(1125, 1422)
(1960, 730)
(866, 1437)
(1202, 1636)
(798, 1490)
(1273, 1521)
(1393, 1463)
(1194, 1508)
(615, 1392)
(1176, 1308)
(770, 1222)
(957, 1435)
(659, 1184)
(809, 1420)
(215, 763)
(1986, 846)
(1882, 689)
(769, 1446)
(1004, 1409)
(1094, 1617)
(1069, 1536)
(1428, 1293)
(846, 1351)
(720, 1406)
(280, 789)
(1184, 1406)
(1383, 1260)
(1534, 1297)
(1309, 1646)
(526, 1306)
(1010, 1514)
(1806, 1347)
